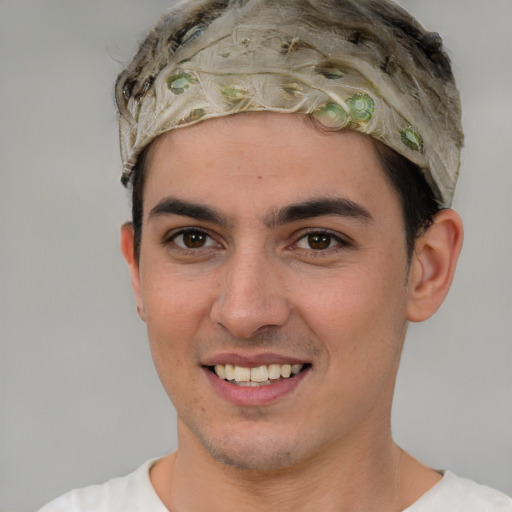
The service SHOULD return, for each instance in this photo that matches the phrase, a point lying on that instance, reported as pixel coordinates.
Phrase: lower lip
(255, 396)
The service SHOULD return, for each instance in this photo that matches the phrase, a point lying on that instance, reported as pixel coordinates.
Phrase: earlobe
(127, 248)
(433, 265)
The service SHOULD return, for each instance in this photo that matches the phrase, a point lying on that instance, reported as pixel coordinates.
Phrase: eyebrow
(174, 206)
(319, 207)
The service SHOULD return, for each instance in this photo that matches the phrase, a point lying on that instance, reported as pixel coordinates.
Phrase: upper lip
(252, 360)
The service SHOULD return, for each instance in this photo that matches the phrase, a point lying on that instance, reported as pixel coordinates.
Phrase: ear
(433, 265)
(127, 248)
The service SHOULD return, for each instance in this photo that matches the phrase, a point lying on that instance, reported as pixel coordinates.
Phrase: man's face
(266, 242)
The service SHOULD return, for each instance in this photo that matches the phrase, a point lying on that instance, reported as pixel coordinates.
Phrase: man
(292, 167)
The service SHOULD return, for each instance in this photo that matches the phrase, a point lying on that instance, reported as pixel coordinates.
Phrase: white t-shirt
(135, 493)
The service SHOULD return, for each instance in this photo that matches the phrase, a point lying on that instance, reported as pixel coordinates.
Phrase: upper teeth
(257, 374)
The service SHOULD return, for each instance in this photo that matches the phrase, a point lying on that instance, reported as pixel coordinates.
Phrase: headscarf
(363, 65)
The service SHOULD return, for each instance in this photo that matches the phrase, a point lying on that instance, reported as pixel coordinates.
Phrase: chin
(254, 451)
(252, 460)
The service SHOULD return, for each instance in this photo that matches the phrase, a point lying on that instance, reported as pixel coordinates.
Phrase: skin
(261, 283)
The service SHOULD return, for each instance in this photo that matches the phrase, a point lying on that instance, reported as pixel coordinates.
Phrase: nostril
(244, 322)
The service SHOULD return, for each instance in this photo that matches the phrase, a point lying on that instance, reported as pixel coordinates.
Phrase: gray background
(80, 401)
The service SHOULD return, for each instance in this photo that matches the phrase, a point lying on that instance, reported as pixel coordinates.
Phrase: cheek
(359, 311)
(169, 296)
(359, 322)
(173, 315)
(174, 310)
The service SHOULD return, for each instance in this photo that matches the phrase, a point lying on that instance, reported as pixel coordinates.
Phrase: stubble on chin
(262, 457)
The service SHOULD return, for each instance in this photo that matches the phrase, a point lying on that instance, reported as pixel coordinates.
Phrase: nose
(251, 296)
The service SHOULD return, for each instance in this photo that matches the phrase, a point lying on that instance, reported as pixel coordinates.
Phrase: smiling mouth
(257, 376)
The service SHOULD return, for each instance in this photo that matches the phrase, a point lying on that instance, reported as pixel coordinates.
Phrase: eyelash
(170, 240)
(340, 242)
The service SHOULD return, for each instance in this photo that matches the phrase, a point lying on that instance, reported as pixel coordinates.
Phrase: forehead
(264, 158)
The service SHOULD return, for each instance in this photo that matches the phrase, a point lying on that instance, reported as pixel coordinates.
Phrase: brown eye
(192, 239)
(319, 241)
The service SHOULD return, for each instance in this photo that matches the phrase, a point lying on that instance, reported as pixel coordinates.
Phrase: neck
(355, 477)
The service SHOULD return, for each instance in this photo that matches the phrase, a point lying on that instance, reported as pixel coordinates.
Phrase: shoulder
(456, 494)
(131, 493)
